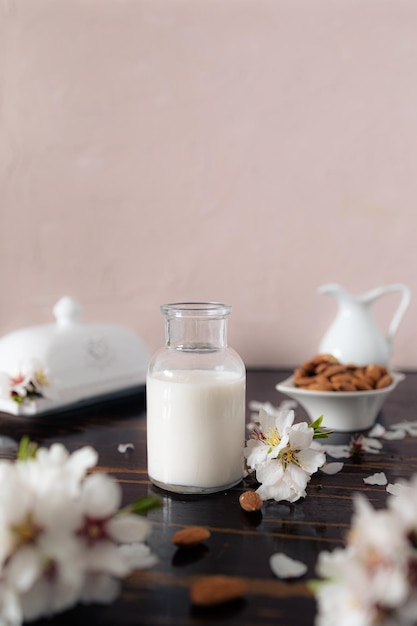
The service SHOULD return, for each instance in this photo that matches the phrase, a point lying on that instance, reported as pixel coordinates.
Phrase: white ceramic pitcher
(354, 336)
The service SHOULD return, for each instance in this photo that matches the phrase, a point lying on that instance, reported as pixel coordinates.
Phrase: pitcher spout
(334, 289)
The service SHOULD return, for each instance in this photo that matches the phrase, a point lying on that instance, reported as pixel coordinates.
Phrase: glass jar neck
(200, 326)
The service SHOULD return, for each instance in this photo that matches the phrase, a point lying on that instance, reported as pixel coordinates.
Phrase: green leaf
(319, 432)
(27, 449)
(144, 505)
(316, 423)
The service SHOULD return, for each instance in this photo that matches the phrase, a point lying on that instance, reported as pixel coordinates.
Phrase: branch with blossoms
(280, 453)
(372, 580)
(64, 537)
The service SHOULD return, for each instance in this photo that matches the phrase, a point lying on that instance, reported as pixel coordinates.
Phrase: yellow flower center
(272, 437)
(41, 377)
(289, 456)
(26, 532)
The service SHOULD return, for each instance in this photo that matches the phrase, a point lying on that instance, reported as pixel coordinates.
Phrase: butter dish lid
(46, 367)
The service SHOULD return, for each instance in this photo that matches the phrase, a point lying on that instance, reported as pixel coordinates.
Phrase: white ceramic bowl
(344, 411)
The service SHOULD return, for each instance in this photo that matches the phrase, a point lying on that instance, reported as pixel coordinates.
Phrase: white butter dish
(48, 367)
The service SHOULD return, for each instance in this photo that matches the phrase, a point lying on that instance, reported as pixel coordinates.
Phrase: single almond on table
(217, 589)
(190, 536)
(250, 501)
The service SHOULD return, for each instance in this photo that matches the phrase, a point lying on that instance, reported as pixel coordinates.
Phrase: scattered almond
(217, 589)
(250, 501)
(190, 536)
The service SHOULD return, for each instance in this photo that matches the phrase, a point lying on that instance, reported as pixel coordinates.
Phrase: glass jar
(195, 390)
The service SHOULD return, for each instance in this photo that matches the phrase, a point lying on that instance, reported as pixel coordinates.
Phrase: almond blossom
(63, 535)
(371, 582)
(281, 454)
(28, 383)
(269, 436)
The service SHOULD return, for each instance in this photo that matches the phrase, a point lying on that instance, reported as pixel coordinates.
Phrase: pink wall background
(246, 151)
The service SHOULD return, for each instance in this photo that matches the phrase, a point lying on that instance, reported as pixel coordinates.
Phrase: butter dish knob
(67, 311)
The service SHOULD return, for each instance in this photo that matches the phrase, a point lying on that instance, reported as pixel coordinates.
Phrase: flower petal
(377, 431)
(100, 588)
(395, 489)
(101, 496)
(378, 478)
(284, 566)
(332, 468)
(126, 528)
(138, 556)
(394, 435)
(337, 451)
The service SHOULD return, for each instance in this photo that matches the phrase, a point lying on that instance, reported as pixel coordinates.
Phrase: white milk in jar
(195, 403)
(195, 428)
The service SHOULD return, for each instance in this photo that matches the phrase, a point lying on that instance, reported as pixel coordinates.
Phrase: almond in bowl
(347, 395)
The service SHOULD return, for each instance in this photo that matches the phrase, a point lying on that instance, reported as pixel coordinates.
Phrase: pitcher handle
(400, 310)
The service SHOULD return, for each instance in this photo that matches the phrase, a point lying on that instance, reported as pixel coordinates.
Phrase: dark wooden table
(240, 544)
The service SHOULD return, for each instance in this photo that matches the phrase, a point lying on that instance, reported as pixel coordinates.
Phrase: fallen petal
(404, 425)
(284, 566)
(394, 489)
(334, 450)
(123, 447)
(377, 431)
(394, 435)
(332, 468)
(371, 445)
(378, 478)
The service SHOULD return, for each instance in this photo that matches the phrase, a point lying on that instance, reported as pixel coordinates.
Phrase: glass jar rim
(196, 309)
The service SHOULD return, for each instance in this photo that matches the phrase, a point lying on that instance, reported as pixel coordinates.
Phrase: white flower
(286, 477)
(371, 581)
(382, 551)
(360, 444)
(404, 504)
(270, 437)
(63, 536)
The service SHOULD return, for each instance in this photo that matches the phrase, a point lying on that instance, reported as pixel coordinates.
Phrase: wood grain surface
(240, 543)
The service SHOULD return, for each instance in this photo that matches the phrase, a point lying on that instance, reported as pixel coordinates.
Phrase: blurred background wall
(245, 151)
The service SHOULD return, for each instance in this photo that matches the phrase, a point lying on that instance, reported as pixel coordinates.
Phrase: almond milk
(195, 429)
